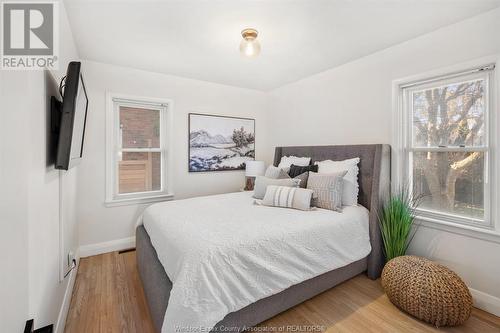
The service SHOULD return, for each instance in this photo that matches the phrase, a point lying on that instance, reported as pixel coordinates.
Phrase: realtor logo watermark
(30, 35)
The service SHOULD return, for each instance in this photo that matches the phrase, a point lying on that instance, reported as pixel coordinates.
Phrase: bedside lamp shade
(255, 168)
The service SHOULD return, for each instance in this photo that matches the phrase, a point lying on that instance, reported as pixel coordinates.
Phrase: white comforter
(223, 253)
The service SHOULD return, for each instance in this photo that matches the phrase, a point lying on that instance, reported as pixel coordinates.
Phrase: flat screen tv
(73, 116)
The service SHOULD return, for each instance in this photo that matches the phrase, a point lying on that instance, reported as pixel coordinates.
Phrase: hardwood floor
(108, 297)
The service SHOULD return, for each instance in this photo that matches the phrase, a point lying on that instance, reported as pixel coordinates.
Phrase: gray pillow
(276, 173)
(288, 197)
(303, 179)
(282, 173)
(261, 184)
(327, 189)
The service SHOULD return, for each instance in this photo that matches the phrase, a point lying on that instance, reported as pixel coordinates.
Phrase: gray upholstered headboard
(373, 179)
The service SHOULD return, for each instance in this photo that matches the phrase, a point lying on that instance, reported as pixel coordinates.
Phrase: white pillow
(350, 189)
(287, 161)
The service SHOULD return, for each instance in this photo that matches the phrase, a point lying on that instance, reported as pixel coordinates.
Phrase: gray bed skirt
(157, 288)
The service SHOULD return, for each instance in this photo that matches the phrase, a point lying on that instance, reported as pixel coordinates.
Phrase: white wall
(353, 104)
(98, 223)
(29, 202)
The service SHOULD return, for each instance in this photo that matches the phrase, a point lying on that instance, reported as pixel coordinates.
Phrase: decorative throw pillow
(288, 197)
(296, 170)
(261, 184)
(351, 189)
(276, 173)
(327, 189)
(303, 179)
(287, 161)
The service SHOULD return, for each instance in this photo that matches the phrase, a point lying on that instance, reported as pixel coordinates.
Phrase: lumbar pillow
(276, 173)
(351, 188)
(327, 189)
(288, 197)
(261, 184)
(287, 161)
(296, 170)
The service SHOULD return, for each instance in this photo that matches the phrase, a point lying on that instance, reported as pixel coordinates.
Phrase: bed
(296, 280)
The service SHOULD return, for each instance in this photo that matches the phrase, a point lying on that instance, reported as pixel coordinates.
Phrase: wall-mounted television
(71, 116)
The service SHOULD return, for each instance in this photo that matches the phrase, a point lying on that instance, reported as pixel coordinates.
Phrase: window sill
(139, 201)
(486, 234)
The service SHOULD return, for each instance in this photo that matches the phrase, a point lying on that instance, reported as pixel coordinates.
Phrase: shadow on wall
(51, 89)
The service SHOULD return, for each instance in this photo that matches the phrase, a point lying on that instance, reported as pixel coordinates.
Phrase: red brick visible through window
(140, 128)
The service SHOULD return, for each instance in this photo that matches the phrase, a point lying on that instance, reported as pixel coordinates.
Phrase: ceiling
(200, 39)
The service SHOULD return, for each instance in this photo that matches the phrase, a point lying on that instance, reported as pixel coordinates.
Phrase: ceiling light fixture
(249, 46)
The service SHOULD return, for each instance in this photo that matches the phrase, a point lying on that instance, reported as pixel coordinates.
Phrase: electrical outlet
(71, 257)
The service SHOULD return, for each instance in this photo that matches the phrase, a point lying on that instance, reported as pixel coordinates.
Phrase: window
(137, 150)
(446, 146)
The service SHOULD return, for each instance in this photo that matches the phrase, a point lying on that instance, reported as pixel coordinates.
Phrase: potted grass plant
(396, 222)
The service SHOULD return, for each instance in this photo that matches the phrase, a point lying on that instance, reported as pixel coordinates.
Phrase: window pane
(139, 127)
(450, 182)
(451, 115)
(139, 172)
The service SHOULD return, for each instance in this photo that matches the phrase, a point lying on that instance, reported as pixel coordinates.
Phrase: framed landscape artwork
(220, 143)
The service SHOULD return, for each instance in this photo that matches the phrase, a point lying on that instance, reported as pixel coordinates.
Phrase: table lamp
(252, 170)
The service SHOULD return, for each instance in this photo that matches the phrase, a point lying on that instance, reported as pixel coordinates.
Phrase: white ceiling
(200, 39)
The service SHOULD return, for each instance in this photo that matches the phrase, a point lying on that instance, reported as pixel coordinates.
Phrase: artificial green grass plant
(396, 221)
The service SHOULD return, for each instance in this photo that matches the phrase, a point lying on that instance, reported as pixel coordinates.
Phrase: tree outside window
(448, 145)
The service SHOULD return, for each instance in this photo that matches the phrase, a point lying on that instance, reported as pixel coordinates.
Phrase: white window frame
(490, 228)
(113, 137)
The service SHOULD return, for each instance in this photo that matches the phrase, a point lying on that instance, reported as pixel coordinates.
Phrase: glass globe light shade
(249, 46)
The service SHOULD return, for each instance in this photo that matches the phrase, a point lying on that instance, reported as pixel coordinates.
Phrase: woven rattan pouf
(427, 290)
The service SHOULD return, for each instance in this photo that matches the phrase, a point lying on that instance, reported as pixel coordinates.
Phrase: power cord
(61, 86)
(73, 266)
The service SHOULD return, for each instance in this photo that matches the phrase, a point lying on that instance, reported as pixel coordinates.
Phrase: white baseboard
(63, 312)
(486, 302)
(105, 247)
